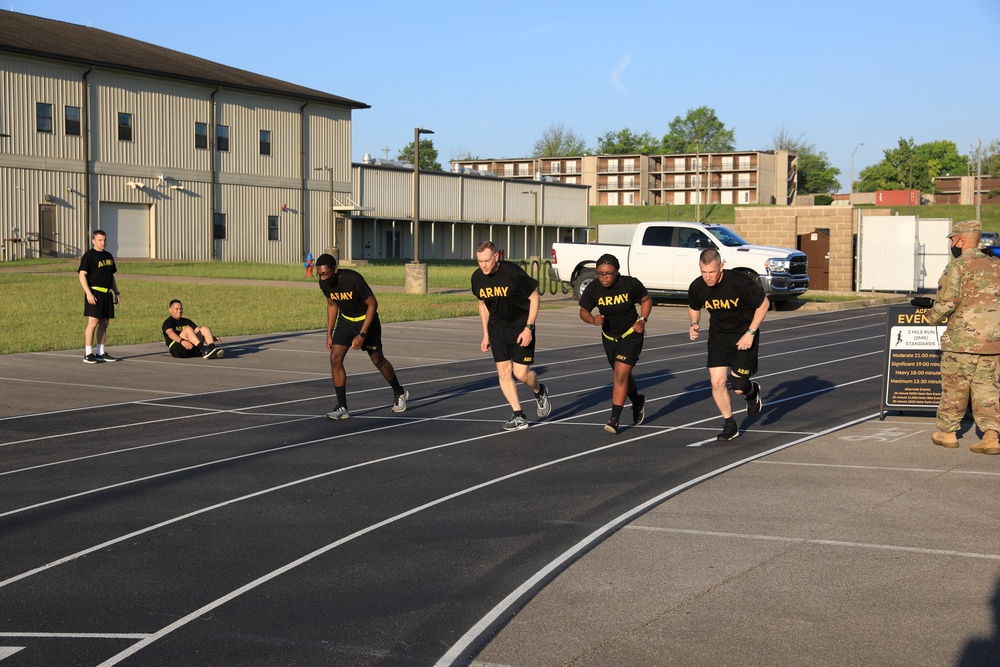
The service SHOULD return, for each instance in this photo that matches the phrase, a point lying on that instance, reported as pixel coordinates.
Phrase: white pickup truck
(664, 256)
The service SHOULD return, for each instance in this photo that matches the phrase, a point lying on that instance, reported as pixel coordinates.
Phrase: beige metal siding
(26, 81)
(24, 190)
(483, 199)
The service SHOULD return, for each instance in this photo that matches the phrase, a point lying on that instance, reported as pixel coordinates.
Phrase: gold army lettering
(491, 292)
(613, 300)
(105, 262)
(721, 304)
(341, 296)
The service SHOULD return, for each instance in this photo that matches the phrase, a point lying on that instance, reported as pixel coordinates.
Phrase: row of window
(44, 123)
(219, 227)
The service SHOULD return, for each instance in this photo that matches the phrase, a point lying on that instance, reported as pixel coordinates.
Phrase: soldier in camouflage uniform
(968, 297)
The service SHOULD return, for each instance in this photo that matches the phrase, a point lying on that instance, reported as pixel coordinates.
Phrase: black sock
(519, 413)
(634, 397)
(397, 389)
(616, 411)
(341, 396)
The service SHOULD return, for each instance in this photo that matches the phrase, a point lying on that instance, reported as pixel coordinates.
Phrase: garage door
(128, 227)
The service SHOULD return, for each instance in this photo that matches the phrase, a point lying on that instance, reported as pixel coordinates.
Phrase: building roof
(57, 40)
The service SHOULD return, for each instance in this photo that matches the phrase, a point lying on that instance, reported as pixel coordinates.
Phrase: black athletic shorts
(503, 343)
(104, 309)
(178, 351)
(347, 330)
(722, 352)
(625, 350)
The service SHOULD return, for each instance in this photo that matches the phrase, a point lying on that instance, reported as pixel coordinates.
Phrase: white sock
(100, 349)
(88, 349)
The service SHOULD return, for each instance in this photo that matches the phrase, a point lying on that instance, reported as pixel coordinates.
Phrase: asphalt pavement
(863, 545)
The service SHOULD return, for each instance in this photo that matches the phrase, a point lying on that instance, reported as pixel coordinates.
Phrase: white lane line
(829, 543)
(364, 531)
(101, 387)
(521, 593)
(7, 651)
(78, 635)
(888, 468)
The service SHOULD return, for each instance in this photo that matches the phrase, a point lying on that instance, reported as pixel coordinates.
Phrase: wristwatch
(530, 327)
(643, 319)
(751, 331)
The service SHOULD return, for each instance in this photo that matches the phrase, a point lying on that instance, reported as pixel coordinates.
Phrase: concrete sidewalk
(864, 546)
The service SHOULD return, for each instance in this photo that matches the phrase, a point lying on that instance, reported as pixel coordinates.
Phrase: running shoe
(639, 410)
(612, 426)
(212, 353)
(516, 423)
(106, 357)
(90, 359)
(399, 402)
(729, 432)
(544, 406)
(754, 402)
(338, 413)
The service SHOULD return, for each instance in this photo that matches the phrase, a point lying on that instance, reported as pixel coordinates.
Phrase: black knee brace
(740, 383)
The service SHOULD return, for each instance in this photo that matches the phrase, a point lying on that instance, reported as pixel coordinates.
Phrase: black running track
(237, 526)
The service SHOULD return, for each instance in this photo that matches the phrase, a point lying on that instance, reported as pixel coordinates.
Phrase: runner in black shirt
(352, 322)
(97, 277)
(737, 306)
(615, 297)
(508, 306)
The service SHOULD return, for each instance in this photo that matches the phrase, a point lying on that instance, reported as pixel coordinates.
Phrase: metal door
(816, 246)
(48, 240)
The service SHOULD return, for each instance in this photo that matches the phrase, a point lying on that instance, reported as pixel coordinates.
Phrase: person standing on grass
(97, 277)
(508, 307)
(352, 322)
(185, 339)
(615, 296)
(737, 305)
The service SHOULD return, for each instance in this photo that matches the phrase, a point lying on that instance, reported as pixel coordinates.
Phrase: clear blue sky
(490, 77)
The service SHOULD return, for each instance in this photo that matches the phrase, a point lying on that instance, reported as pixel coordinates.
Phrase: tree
(699, 131)
(816, 174)
(428, 155)
(991, 158)
(912, 166)
(627, 141)
(557, 141)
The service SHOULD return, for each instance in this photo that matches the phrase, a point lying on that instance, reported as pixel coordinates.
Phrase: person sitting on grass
(186, 339)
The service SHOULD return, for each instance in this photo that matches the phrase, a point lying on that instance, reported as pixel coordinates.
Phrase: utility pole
(385, 149)
(979, 181)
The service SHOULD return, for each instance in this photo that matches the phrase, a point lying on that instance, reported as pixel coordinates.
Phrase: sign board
(911, 380)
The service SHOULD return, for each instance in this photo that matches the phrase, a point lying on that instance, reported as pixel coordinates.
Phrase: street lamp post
(416, 273)
(850, 199)
(333, 225)
(534, 223)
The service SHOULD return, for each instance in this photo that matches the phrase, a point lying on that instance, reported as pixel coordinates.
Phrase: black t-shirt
(178, 325)
(100, 268)
(617, 303)
(506, 293)
(351, 292)
(731, 303)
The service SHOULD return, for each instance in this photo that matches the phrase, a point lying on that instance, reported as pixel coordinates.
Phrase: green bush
(822, 200)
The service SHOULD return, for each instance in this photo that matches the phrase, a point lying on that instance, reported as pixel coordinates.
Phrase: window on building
(744, 180)
(629, 182)
(222, 138)
(272, 228)
(265, 142)
(744, 196)
(744, 162)
(727, 180)
(612, 182)
(629, 198)
(612, 199)
(629, 164)
(555, 167)
(571, 166)
(679, 180)
(612, 165)
(219, 226)
(43, 117)
(522, 169)
(201, 135)
(508, 170)
(124, 126)
(679, 164)
(727, 163)
(73, 121)
(571, 180)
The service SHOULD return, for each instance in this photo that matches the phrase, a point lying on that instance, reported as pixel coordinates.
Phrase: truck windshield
(728, 237)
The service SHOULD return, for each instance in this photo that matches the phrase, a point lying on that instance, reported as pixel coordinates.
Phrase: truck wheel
(752, 275)
(582, 280)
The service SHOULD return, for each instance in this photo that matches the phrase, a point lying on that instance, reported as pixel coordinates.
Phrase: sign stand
(911, 380)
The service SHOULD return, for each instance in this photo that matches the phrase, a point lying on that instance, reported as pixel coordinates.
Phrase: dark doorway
(816, 246)
(48, 245)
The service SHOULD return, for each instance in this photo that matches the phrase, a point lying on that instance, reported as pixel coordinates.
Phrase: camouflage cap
(966, 227)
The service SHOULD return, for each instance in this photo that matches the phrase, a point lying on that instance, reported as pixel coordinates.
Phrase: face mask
(956, 251)
(329, 284)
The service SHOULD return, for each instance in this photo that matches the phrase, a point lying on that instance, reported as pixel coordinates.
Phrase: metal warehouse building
(181, 158)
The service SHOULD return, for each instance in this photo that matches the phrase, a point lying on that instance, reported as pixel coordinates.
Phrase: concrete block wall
(782, 225)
